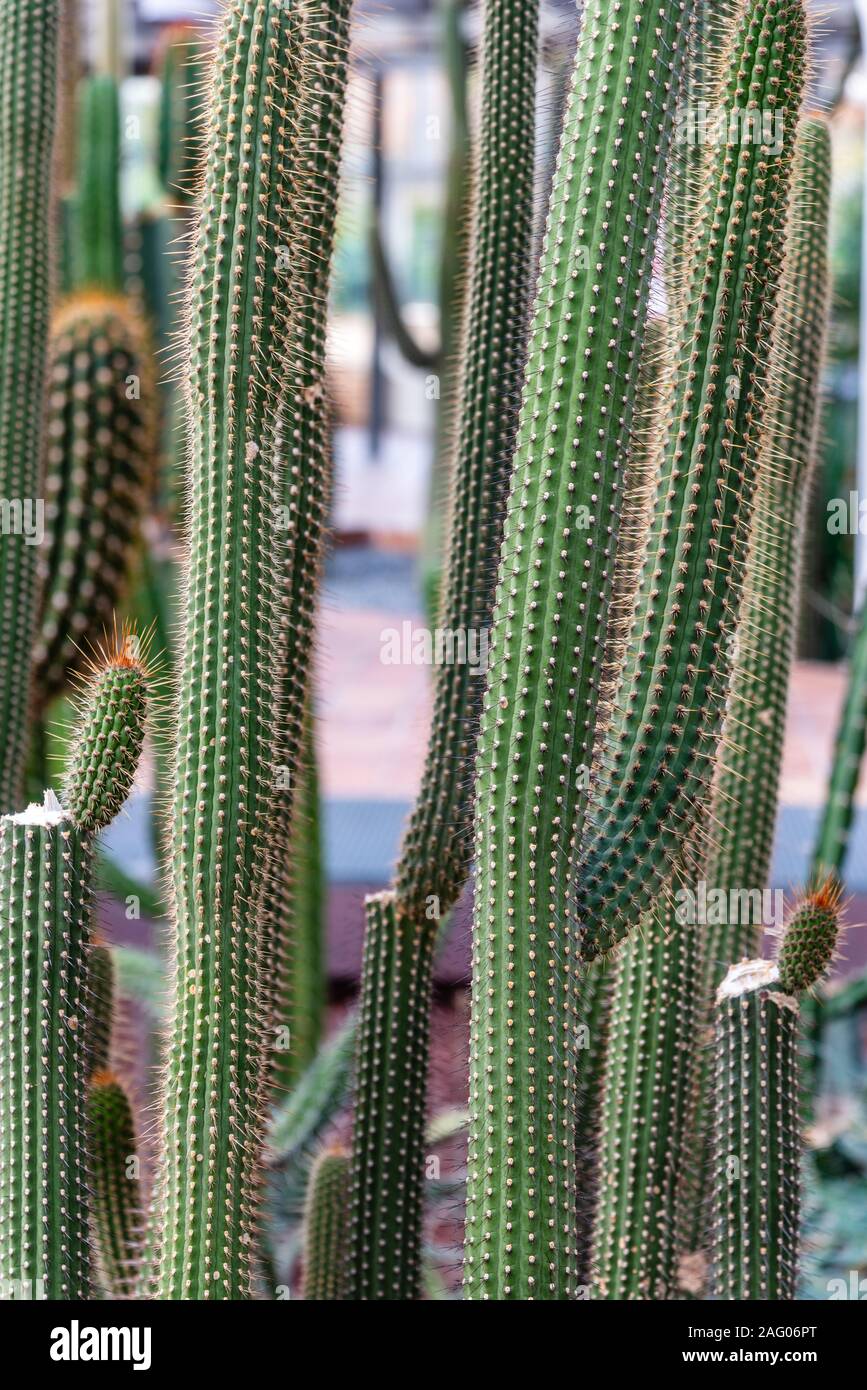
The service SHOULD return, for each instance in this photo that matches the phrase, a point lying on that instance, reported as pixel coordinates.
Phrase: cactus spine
(584, 350)
(756, 1143)
(390, 1085)
(101, 426)
(678, 669)
(29, 37)
(45, 1005)
(241, 410)
(647, 1103)
(115, 1187)
(325, 1228)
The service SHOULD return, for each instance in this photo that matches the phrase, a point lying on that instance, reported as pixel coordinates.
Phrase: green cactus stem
(678, 663)
(97, 255)
(29, 37)
(44, 928)
(832, 843)
(384, 1260)
(233, 716)
(101, 423)
(115, 1185)
(756, 1143)
(101, 992)
(111, 726)
(304, 443)
(539, 711)
(592, 1021)
(182, 67)
(46, 1010)
(325, 1228)
(647, 1100)
(750, 754)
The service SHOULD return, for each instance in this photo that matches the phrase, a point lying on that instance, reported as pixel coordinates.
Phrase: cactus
(97, 257)
(384, 1257)
(756, 1143)
(115, 1189)
(325, 1227)
(678, 668)
(304, 442)
(29, 35)
(238, 633)
(832, 842)
(575, 424)
(181, 65)
(46, 859)
(647, 1103)
(433, 864)
(100, 465)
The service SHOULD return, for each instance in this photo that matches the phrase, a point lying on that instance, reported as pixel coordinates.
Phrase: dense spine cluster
(29, 36)
(538, 723)
(325, 1221)
(233, 716)
(100, 465)
(49, 1028)
(756, 1133)
(390, 1087)
(678, 664)
(647, 1103)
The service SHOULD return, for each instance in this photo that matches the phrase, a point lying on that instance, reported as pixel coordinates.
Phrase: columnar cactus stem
(539, 712)
(325, 1228)
(647, 1102)
(750, 755)
(98, 250)
(304, 446)
(44, 926)
(46, 1023)
(678, 666)
(102, 425)
(115, 1185)
(231, 791)
(434, 859)
(748, 771)
(756, 1143)
(29, 35)
(832, 843)
(384, 1259)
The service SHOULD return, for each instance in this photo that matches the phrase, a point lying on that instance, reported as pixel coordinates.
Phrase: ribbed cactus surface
(678, 659)
(111, 729)
(756, 1205)
(538, 718)
(231, 788)
(101, 425)
(437, 846)
(325, 1225)
(44, 931)
(390, 1086)
(29, 36)
(647, 1101)
(115, 1186)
